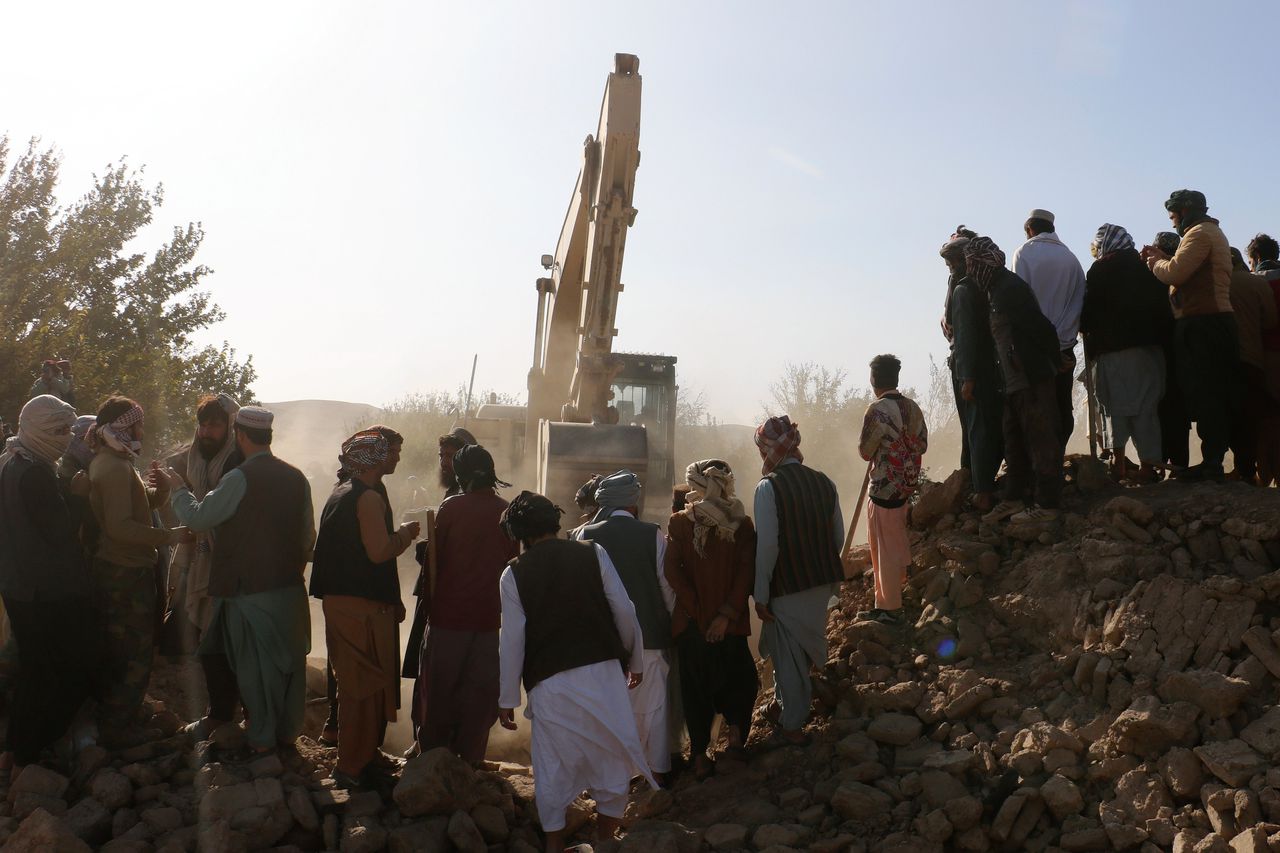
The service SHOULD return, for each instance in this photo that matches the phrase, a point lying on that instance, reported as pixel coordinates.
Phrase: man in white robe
(569, 632)
(637, 551)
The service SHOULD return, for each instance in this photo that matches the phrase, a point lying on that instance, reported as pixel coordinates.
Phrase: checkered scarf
(362, 451)
(711, 503)
(118, 435)
(778, 440)
(982, 260)
(1111, 239)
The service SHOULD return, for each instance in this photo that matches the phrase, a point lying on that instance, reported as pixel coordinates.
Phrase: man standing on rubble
(1205, 341)
(638, 550)
(355, 575)
(211, 455)
(262, 517)
(800, 533)
(449, 444)
(457, 687)
(894, 437)
(1056, 278)
(1027, 347)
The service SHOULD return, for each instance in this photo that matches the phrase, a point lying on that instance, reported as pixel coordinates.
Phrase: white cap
(254, 417)
(1041, 214)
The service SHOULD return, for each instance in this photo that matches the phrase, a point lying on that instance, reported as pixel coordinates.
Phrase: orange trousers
(364, 648)
(890, 552)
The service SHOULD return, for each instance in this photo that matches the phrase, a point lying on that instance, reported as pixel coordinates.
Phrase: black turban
(1186, 200)
(586, 494)
(473, 466)
(530, 515)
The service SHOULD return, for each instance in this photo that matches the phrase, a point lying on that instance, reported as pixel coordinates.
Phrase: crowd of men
(1178, 332)
(621, 633)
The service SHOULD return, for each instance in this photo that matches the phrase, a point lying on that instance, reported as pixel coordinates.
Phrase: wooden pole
(857, 513)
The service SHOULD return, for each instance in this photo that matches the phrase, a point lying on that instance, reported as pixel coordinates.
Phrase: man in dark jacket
(1030, 359)
(44, 580)
(1127, 323)
(975, 375)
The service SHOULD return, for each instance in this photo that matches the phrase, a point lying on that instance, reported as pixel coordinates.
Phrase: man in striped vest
(800, 533)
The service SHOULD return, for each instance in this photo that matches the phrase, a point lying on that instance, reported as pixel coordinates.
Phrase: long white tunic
(649, 700)
(584, 731)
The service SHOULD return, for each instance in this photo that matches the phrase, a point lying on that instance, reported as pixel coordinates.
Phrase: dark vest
(632, 545)
(36, 566)
(260, 548)
(341, 565)
(568, 622)
(807, 553)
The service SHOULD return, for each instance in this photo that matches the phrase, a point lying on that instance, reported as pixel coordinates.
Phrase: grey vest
(632, 545)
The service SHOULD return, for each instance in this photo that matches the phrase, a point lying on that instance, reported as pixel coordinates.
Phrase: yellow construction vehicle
(590, 409)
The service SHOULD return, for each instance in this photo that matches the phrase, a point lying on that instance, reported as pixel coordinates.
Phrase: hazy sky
(378, 180)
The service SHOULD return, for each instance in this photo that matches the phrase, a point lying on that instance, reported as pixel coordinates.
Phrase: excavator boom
(578, 303)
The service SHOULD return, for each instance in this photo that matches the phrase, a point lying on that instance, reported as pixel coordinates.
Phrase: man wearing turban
(800, 533)
(637, 549)
(457, 684)
(44, 580)
(1030, 358)
(569, 633)
(1205, 338)
(354, 575)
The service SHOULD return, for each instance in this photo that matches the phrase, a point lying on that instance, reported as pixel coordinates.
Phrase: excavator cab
(644, 395)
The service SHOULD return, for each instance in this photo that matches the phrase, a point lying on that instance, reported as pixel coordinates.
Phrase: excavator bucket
(569, 453)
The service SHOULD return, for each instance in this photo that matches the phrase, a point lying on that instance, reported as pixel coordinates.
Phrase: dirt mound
(1103, 681)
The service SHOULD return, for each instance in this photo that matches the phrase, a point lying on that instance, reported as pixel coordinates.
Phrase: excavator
(591, 410)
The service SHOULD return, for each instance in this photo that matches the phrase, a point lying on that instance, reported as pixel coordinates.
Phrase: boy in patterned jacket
(894, 437)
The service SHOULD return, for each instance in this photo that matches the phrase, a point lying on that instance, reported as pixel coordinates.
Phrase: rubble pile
(1101, 681)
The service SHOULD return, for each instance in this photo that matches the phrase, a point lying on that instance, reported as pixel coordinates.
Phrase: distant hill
(308, 433)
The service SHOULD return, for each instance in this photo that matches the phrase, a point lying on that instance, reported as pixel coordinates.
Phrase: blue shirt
(218, 505)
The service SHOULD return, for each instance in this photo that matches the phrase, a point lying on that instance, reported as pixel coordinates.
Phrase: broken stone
(1232, 761)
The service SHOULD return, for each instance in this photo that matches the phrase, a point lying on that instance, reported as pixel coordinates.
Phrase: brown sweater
(1199, 273)
(714, 585)
(122, 505)
(1255, 310)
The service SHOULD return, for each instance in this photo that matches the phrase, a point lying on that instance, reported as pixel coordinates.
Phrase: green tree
(73, 285)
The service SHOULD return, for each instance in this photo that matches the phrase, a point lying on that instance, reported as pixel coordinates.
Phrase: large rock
(855, 801)
(1232, 761)
(111, 788)
(35, 779)
(465, 835)
(431, 836)
(939, 499)
(895, 729)
(41, 832)
(1182, 772)
(89, 820)
(1062, 796)
(726, 836)
(437, 783)
(1148, 728)
(1216, 694)
(1263, 734)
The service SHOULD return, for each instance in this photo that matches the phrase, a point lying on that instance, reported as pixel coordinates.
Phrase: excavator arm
(577, 304)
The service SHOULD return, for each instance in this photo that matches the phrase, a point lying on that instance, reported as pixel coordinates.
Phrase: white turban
(39, 424)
